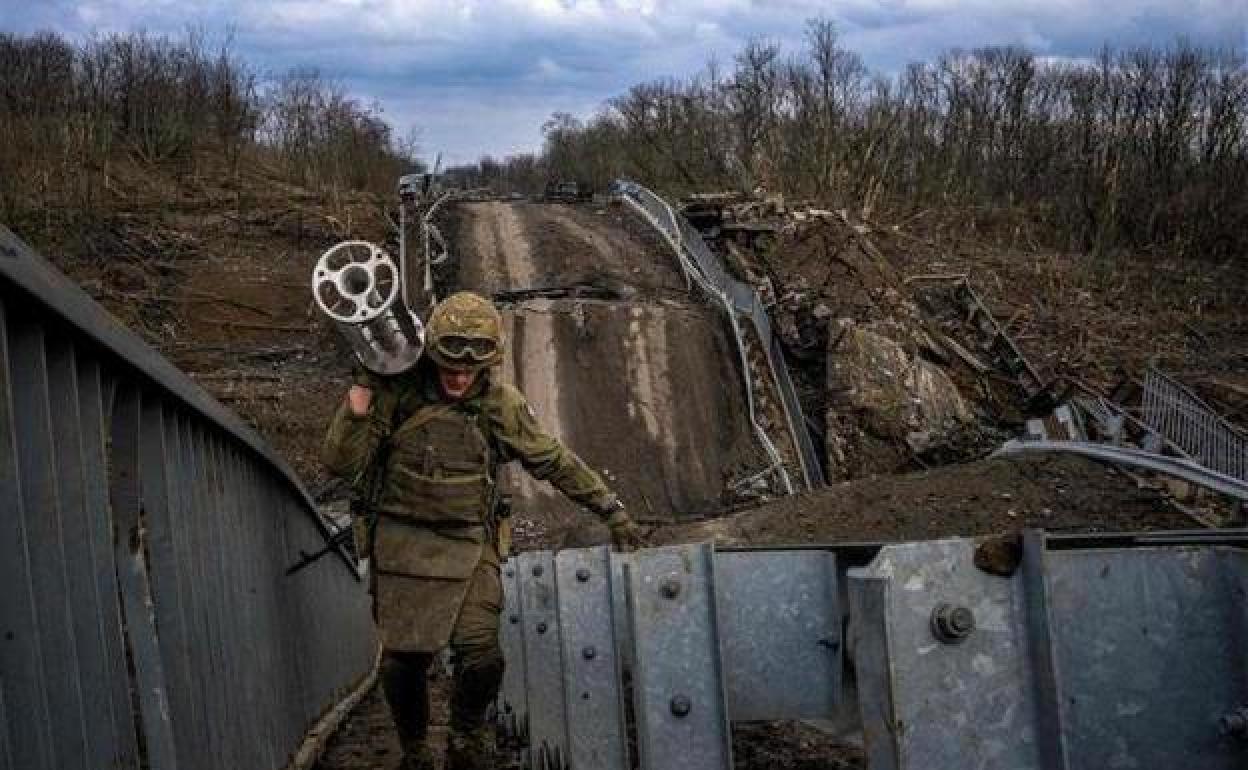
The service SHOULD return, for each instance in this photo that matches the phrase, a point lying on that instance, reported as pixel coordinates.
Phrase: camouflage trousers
(476, 656)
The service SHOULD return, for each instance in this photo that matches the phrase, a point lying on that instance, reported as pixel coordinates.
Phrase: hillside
(214, 272)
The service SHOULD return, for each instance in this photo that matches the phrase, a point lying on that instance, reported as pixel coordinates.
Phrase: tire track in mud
(500, 239)
(644, 386)
(533, 377)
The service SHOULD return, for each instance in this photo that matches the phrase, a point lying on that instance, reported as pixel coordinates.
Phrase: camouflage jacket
(501, 412)
(429, 467)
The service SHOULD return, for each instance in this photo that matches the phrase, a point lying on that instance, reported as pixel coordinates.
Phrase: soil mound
(1055, 493)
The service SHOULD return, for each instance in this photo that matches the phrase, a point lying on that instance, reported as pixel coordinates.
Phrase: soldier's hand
(363, 384)
(626, 536)
(359, 398)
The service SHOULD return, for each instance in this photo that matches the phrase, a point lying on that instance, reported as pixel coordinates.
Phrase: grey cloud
(481, 76)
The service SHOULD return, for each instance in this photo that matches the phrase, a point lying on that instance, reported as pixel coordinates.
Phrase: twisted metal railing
(739, 300)
(147, 621)
(1189, 423)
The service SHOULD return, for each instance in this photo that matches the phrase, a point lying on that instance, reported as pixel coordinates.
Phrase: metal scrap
(1178, 414)
(1138, 458)
(982, 332)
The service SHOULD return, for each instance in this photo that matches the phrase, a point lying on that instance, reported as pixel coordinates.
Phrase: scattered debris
(920, 371)
(1155, 424)
(966, 322)
(865, 354)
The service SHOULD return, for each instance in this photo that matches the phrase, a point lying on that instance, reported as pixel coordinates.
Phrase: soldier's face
(455, 383)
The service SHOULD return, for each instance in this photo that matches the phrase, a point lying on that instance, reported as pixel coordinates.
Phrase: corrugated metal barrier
(145, 619)
(1028, 652)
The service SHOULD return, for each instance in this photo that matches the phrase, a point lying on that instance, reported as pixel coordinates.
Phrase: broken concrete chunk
(885, 391)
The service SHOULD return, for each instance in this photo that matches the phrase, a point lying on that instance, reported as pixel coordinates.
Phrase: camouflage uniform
(435, 526)
(436, 545)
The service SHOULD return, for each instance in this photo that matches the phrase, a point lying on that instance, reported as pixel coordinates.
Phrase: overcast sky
(481, 77)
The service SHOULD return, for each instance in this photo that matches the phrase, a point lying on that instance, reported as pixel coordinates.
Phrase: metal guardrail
(702, 267)
(1084, 651)
(1138, 458)
(706, 636)
(1180, 416)
(146, 618)
(1095, 656)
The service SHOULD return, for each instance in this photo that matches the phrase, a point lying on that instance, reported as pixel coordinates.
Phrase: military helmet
(465, 333)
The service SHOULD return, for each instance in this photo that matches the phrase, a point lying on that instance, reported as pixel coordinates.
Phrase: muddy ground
(513, 246)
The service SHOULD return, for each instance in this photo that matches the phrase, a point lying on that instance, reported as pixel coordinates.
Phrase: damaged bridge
(626, 349)
(148, 621)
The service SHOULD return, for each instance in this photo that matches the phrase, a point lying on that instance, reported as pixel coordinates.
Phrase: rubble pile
(869, 373)
(903, 373)
(886, 401)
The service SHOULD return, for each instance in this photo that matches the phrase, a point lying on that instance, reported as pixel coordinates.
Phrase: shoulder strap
(371, 479)
(423, 416)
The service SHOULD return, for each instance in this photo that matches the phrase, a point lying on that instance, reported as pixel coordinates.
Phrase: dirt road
(508, 246)
(616, 358)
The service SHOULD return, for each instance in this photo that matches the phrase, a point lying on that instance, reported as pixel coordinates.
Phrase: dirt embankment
(214, 271)
(1052, 492)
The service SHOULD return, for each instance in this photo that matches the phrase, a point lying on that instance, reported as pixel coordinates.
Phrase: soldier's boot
(472, 740)
(405, 682)
(471, 750)
(418, 756)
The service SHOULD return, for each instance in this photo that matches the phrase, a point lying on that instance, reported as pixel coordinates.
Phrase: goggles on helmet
(459, 348)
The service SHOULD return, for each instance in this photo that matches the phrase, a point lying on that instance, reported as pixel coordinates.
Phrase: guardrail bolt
(541, 628)
(952, 624)
(670, 588)
(537, 570)
(589, 653)
(513, 618)
(1235, 724)
(681, 706)
(582, 575)
(511, 573)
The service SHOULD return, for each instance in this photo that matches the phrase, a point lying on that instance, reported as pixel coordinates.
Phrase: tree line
(69, 111)
(1132, 149)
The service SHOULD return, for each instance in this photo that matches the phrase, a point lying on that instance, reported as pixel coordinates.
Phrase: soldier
(425, 448)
